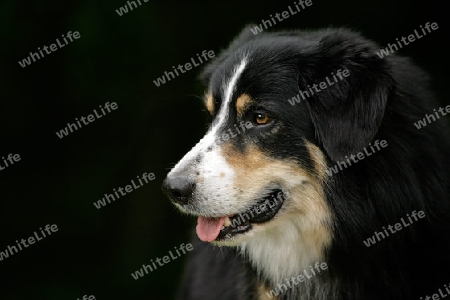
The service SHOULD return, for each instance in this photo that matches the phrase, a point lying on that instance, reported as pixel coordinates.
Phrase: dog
(290, 183)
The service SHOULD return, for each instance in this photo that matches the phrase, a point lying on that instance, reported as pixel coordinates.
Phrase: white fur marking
(214, 192)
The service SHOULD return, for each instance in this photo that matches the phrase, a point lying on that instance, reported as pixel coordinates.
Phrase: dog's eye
(262, 119)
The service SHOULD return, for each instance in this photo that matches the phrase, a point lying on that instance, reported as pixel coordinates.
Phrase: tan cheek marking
(222, 175)
(210, 103)
(255, 169)
(318, 157)
(253, 165)
(244, 162)
(242, 102)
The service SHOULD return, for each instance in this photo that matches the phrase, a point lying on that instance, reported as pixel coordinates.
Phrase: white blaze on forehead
(228, 89)
(209, 139)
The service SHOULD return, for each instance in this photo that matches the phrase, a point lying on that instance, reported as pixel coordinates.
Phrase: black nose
(178, 188)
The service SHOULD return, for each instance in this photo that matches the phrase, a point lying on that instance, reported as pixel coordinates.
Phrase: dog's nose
(178, 188)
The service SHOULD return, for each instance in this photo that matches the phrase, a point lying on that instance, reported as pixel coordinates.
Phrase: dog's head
(284, 106)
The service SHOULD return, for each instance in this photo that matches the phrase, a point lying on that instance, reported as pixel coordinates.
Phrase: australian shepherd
(312, 181)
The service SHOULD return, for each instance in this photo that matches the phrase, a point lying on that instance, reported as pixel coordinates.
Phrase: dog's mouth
(222, 228)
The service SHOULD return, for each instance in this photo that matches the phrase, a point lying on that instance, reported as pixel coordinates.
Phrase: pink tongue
(209, 228)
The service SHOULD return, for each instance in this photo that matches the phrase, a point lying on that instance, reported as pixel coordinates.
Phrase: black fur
(381, 99)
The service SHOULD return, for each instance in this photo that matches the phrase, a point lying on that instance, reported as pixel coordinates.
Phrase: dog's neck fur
(284, 252)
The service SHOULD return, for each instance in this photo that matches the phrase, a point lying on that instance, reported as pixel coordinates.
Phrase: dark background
(116, 59)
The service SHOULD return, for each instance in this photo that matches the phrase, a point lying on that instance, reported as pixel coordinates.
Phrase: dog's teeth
(227, 222)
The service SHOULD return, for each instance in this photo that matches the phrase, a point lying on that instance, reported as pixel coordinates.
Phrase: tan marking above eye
(209, 103)
(242, 103)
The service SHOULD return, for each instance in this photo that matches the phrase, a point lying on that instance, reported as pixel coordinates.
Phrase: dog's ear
(347, 114)
(244, 36)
